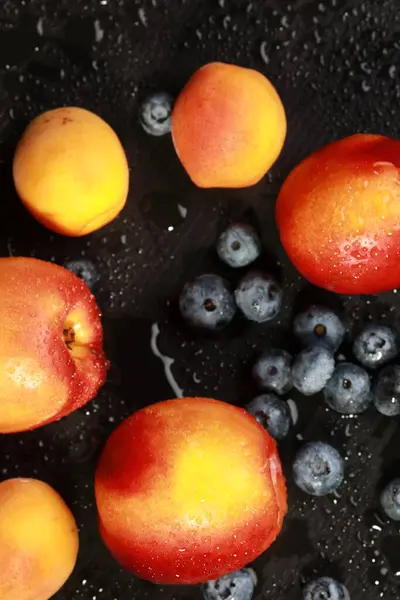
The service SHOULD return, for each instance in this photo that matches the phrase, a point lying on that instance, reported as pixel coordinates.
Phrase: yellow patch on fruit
(24, 382)
(71, 172)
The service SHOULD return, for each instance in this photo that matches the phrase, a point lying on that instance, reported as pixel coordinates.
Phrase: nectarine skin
(70, 171)
(188, 490)
(338, 214)
(228, 126)
(38, 540)
(51, 356)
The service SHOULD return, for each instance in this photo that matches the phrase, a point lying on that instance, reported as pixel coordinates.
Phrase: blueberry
(239, 245)
(375, 345)
(234, 586)
(259, 297)
(319, 325)
(84, 269)
(349, 389)
(272, 413)
(390, 499)
(272, 371)
(155, 113)
(386, 395)
(312, 368)
(207, 302)
(325, 588)
(318, 469)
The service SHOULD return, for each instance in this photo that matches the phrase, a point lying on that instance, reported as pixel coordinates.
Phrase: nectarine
(71, 172)
(228, 126)
(51, 357)
(38, 540)
(188, 490)
(338, 215)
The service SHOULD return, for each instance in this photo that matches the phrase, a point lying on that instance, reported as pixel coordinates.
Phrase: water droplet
(163, 209)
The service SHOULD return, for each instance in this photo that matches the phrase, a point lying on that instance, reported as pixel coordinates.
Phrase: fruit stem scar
(69, 337)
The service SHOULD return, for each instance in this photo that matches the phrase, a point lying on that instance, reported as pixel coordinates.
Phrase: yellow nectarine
(38, 540)
(71, 172)
(228, 126)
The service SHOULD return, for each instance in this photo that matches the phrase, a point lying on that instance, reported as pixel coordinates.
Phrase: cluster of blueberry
(209, 303)
(240, 586)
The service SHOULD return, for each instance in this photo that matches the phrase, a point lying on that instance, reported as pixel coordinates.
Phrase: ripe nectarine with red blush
(38, 540)
(188, 490)
(51, 356)
(228, 126)
(70, 171)
(338, 215)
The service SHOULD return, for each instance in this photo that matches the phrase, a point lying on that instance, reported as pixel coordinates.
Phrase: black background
(336, 66)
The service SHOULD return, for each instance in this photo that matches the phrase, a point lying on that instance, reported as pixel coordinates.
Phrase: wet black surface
(336, 65)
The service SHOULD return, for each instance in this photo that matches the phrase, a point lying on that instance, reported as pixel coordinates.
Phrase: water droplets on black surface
(163, 209)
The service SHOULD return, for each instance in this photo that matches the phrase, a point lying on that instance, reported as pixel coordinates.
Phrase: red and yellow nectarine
(38, 540)
(188, 490)
(228, 126)
(71, 172)
(51, 357)
(338, 215)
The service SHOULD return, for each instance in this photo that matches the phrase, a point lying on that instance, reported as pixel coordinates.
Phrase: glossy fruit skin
(312, 368)
(228, 126)
(207, 302)
(386, 394)
(349, 389)
(42, 378)
(188, 452)
(155, 113)
(338, 215)
(272, 413)
(70, 171)
(273, 371)
(390, 499)
(234, 586)
(239, 245)
(319, 325)
(259, 296)
(325, 588)
(375, 345)
(38, 540)
(318, 469)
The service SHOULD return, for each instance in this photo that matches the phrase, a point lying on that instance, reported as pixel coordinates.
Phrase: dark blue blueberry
(239, 245)
(234, 586)
(259, 297)
(272, 413)
(312, 368)
(318, 469)
(349, 389)
(319, 325)
(207, 302)
(273, 371)
(390, 499)
(155, 113)
(375, 345)
(325, 588)
(84, 269)
(386, 395)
